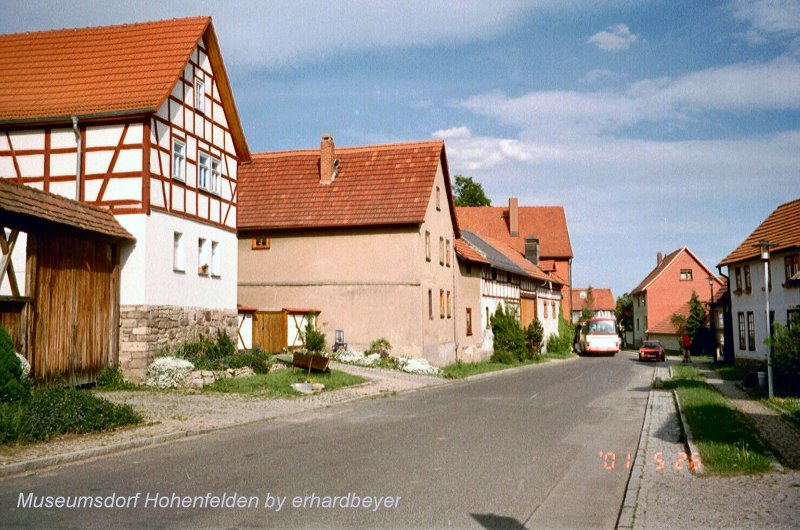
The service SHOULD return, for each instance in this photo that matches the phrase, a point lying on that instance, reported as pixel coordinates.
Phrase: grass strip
(277, 384)
(461, 370)
(727, 442)
(789, 404)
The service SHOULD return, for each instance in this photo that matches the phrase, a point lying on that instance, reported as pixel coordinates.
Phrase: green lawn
(727, 442)
(277, 384)
(792, 405)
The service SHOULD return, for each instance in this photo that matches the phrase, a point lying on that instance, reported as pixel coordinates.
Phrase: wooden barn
(64, 317)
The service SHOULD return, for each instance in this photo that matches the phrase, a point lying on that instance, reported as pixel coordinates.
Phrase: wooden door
(269, 331)
(527, 311)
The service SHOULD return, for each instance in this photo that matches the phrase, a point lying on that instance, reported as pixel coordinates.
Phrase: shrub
(509, 337)
(204, 353)
(562, 343)
(313, 340)
(534, 335)
(256, 359)
(168, 372)
(380, 346)
(785, 344)
(110, 378)
(13, 386)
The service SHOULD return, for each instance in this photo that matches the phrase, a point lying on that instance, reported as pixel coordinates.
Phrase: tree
(694, 325)
(587, 311)
(697, 316)
(624, 311)
(469, 193)
(508, 336)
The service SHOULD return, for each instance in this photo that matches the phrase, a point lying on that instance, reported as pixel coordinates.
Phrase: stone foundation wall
(146, 330)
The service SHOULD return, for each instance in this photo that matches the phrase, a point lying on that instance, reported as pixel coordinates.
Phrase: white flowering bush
(357, 358)
(417, 366)
(168, 372)
(26, 366)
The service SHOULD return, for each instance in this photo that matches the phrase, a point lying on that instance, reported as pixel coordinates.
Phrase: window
(488, 322)
(203, 171)
(438, 199)
(791, 265)
(177, 252)
(508, 277)
(494, 274)
(686, 275)
(202, 257)
(261, 242)
(546, 306)
(449, 313)
(441, 251)
(216, 176)
(441, 303)
(427, 245)
(178, 160)
(737, 272)
(215, 258)
(199, 95)
(469, 322)
(747, 285)
(751, 331)
(430, 304)
(447, 252)
(792, 318)
(637, 324)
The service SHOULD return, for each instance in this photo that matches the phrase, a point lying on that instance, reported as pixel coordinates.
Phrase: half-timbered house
(138, 119)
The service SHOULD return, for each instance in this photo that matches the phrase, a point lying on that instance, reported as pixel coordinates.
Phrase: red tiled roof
(23, 207)
(781, 228)
(48, 76)
(469, 253)
(375, 185)
(548, 223)
(665, 326)
(603, 299)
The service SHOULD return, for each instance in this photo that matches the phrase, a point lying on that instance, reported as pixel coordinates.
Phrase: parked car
(652, 350)
(599, 335)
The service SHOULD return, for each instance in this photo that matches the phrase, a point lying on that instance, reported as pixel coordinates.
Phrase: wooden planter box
(311, 362)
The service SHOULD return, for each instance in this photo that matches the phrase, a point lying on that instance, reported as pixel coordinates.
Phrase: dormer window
(199, 95)
(686, 275)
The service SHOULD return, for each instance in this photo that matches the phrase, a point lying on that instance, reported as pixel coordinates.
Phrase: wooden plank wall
(11, 312)
(270, 331)
(74, 314)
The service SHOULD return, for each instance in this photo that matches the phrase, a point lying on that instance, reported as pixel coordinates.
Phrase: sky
(655, 124)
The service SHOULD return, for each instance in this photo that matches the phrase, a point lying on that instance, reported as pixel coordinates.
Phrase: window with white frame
(215, 258)
(203, 264)
(203, 171)
(199, 95)
(216, 176)
(177, 252)
(178, 160)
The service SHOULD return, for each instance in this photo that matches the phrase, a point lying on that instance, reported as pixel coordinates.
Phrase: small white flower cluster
(417, 366)
(357, 358)
(26, 366)
(168, 372)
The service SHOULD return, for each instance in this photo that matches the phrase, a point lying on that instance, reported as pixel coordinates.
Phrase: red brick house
(666, 290)
(542, 227)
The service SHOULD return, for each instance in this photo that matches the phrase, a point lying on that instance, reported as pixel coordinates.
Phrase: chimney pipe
(532, 249)
(659, 258)
(327, 169)
(513, 216)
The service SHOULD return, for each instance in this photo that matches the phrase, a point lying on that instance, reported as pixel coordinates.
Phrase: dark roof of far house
(501, 256)
(22, 206)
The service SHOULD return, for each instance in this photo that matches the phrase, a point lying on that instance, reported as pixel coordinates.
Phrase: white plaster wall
(780, 300)
(245, 338)
(18, 260)
(103, 135)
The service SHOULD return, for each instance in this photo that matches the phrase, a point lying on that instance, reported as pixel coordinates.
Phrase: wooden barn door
(527, 311)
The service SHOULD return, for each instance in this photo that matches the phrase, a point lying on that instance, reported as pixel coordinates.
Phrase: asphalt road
(531, 448)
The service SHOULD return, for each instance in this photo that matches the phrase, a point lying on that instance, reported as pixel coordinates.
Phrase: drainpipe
(77, 132)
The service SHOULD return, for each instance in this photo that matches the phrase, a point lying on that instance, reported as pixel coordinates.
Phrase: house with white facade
(749, 272)
(138, 119)
(507, 278)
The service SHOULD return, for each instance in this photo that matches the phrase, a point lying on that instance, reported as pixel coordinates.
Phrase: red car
(652, 350)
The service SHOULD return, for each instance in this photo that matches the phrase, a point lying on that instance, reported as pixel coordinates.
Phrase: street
(542, 446)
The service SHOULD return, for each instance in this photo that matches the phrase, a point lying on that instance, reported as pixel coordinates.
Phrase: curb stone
(691, 445)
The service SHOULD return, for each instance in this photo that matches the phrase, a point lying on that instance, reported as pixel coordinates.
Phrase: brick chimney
(532, 249)
(513, 216)
(659, 258)
(327, 158)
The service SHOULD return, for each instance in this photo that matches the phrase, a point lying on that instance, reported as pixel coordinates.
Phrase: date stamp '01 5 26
(659, 460)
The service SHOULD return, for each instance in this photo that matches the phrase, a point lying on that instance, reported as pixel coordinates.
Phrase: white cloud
(613, 38)
(767, 17)
(453, 133)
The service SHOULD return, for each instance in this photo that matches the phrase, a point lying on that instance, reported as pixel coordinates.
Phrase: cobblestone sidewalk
(173, 415)
(664, 493)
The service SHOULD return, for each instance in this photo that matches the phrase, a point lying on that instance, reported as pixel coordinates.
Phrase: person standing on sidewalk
(687, 342)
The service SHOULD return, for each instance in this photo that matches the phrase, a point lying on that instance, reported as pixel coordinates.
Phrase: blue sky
(656, 124)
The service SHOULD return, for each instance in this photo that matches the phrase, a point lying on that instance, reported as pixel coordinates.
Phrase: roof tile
(781, 229)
